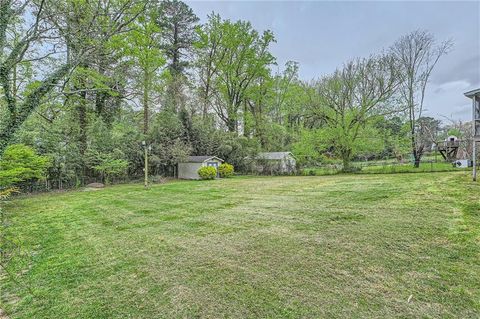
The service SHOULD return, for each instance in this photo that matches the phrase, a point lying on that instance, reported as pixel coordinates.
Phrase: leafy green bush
(207, 172)
(20, 163)
(225, 170)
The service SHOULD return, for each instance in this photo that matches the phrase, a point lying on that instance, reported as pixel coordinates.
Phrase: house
(189, 168)
(275, 163)
(475, 96)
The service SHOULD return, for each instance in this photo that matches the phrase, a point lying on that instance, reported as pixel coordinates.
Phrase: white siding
(188, 170)
(286, 164)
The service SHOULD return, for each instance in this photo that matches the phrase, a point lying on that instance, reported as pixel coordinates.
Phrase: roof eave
(264, 155)
(201, 159)
(218, 158)
(472, 93)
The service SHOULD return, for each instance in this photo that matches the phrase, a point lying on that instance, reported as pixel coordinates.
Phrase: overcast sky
(323, 35)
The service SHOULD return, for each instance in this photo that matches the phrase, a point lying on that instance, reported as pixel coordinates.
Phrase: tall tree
(208, 49)
(258, 102)
(141, 45)
(349, 99)
(277, 106)
(22, 100)
(427, 130)
(90, 26)
(242, 58)
(283, 84)
(416, 55)
(177, 23)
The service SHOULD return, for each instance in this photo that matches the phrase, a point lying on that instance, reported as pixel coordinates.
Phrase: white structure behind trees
(275, 163)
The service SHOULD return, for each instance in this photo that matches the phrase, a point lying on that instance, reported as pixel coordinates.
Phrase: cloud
(447, 100)
(322, 35)
(466, 68)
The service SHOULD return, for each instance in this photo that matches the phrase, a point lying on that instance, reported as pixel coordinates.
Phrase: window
(477, 107)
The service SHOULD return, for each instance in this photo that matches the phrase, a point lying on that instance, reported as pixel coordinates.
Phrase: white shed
(276, 162)
(189, 168)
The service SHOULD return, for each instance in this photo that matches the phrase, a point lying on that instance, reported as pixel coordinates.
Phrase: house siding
(190, 170)
(283, 165)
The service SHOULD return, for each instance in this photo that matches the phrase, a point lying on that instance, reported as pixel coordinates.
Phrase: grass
(386, 168)
(408, 168)
(356, 246)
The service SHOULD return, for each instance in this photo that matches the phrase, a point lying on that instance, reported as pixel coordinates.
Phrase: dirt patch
(95, 185)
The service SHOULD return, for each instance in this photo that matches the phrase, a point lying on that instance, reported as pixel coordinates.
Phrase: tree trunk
(346, 164)
(176, 51)
(205, 99)
(417, 155)
(146, 88)
(101, 96)
(82, 122)
(346, 160)
(81, 108)
(232, 125)
(416, 164)
(81, 114)
(246, 124)
(100, 101)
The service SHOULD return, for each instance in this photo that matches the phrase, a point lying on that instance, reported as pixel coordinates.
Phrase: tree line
(86, 82)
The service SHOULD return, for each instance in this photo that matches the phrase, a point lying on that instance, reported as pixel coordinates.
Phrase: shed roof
(201, 159)
(472, 93)
(274, 155)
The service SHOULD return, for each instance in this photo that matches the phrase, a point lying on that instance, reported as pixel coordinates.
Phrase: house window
(477, 108)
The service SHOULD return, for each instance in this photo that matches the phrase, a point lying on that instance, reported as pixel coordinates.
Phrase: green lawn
(386, 167)
(408, 168)
(342, 246)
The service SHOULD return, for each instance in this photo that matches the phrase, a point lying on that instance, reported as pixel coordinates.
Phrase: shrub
(225, 170)
(21, 163)
(207, 172)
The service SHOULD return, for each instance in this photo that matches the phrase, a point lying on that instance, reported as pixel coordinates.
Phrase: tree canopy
(85, 82)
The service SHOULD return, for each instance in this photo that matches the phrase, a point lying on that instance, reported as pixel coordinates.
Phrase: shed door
(213, 164)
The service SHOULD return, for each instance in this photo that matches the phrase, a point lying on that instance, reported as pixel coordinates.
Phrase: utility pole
(474, 148)
(474, 160)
